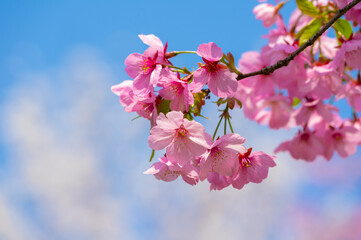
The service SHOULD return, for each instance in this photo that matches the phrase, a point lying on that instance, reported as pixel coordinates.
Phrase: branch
(283, 63)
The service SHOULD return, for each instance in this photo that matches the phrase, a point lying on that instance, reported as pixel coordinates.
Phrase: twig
(283, 63)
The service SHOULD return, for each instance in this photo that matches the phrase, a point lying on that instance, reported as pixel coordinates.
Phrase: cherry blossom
(253, 167)
(221, 81)
(183, 139)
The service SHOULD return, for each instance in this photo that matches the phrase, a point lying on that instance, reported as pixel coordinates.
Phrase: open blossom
(222, 156)
(183, 139)
(176, 90)
(343, 140)
(168, 171)
(145, 71)
(145, 106)
(253, 167)
(305, 145)
(221, 81)
(145, 68)
(155, 45)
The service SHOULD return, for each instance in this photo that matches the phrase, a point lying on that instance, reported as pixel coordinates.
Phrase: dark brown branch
(283, 63)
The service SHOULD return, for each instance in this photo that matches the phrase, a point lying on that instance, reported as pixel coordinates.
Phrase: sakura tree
(293, 82)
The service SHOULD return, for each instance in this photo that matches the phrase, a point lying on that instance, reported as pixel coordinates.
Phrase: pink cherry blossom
(279, 113)
(221, 81)
(183, 139)
(145, 106)
(343, 140)
(305, 145)
(271, 55)
(352, 92)
(350, 52)
(144, 70)
(321, 82)
(267, 13)
(312, 107)
(253, 167)
(263, 85)
(298, 20)
(176, 90)
(354, 14)
(217, 181)
(222, 156)
(168, 171)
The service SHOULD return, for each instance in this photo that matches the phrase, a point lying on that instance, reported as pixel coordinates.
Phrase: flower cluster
(171, 101)
(300, 95)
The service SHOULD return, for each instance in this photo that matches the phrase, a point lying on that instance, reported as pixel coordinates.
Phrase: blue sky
(71, 161)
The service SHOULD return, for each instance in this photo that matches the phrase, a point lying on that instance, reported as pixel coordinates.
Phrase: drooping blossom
(352, 92)
(253, 167)
(222, 156)
(276, 112)
(343, 140)
(286, 77)
(261, 85)
(266, 12)
(167, 171)
(349, 52)
(354, 14)
(145, 106)
(218, 181)
(176, 90)
(221, 81)
(305, 145)
(310, 108)
(321, 82)
(183, 139)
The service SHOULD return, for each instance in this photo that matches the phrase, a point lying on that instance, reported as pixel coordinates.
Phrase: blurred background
(72, 161)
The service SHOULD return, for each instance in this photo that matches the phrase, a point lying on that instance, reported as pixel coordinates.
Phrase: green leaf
(163, 107)
(296, 101)
(307, 8)
(309, 30)
(188, 116)
(343, 27)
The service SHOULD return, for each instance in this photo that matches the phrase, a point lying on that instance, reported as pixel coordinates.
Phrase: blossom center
(217, 155)
(243, 158)
(337, 136)
(304, 137)
(181, 132)
(147, 66)
(176, 88)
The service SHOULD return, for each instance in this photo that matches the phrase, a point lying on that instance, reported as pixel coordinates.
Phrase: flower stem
(215, 132)
(225, 125)
(152, 156)
(180, 52)
(230, 125)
